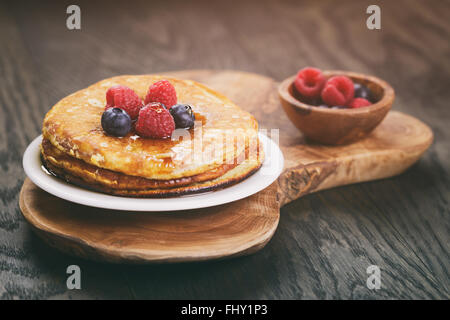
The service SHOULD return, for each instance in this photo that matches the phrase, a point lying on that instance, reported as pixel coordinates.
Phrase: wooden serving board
(236, 228)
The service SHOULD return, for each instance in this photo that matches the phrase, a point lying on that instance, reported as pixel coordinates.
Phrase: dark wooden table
(325, 241)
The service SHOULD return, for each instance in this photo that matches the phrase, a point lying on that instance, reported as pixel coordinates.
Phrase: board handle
(301, 180)
(395, 146)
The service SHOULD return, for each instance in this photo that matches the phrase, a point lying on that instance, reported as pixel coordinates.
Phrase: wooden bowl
(337, 126)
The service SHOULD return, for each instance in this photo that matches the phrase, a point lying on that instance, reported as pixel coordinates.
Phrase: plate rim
(33, 169)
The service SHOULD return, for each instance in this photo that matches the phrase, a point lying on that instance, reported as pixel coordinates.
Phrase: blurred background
(41, 61)
(273, 38)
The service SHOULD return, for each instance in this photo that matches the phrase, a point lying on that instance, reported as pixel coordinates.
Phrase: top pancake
(73, 126)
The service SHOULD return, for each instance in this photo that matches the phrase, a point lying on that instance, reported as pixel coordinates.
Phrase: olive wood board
(236, 228)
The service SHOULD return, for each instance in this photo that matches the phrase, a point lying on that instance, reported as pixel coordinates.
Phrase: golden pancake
(236, 174)
(220, 150)
(73, 126)
(116, 180)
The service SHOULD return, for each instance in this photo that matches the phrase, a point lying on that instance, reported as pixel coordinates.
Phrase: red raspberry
(124, 98)
(162, 91)
(155, 121)
(309, 82)
(338, 91)
(358, 103)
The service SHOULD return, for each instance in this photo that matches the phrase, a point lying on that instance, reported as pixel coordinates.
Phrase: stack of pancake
(222, 148)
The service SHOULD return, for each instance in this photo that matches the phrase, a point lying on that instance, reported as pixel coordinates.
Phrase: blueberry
(183, 116)
(116, 122)
(362, 92)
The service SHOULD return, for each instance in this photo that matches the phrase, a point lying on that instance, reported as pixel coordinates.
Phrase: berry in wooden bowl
(355, 113)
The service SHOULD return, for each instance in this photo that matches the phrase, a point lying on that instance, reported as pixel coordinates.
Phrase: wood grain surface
(241, 227)
(324, 241)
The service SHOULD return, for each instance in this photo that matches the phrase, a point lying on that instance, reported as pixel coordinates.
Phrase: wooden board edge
(77, 247)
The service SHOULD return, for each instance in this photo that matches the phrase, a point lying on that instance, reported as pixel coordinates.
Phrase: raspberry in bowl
(335, 107)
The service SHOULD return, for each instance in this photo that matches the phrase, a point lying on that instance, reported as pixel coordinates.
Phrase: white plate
(268, 173)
